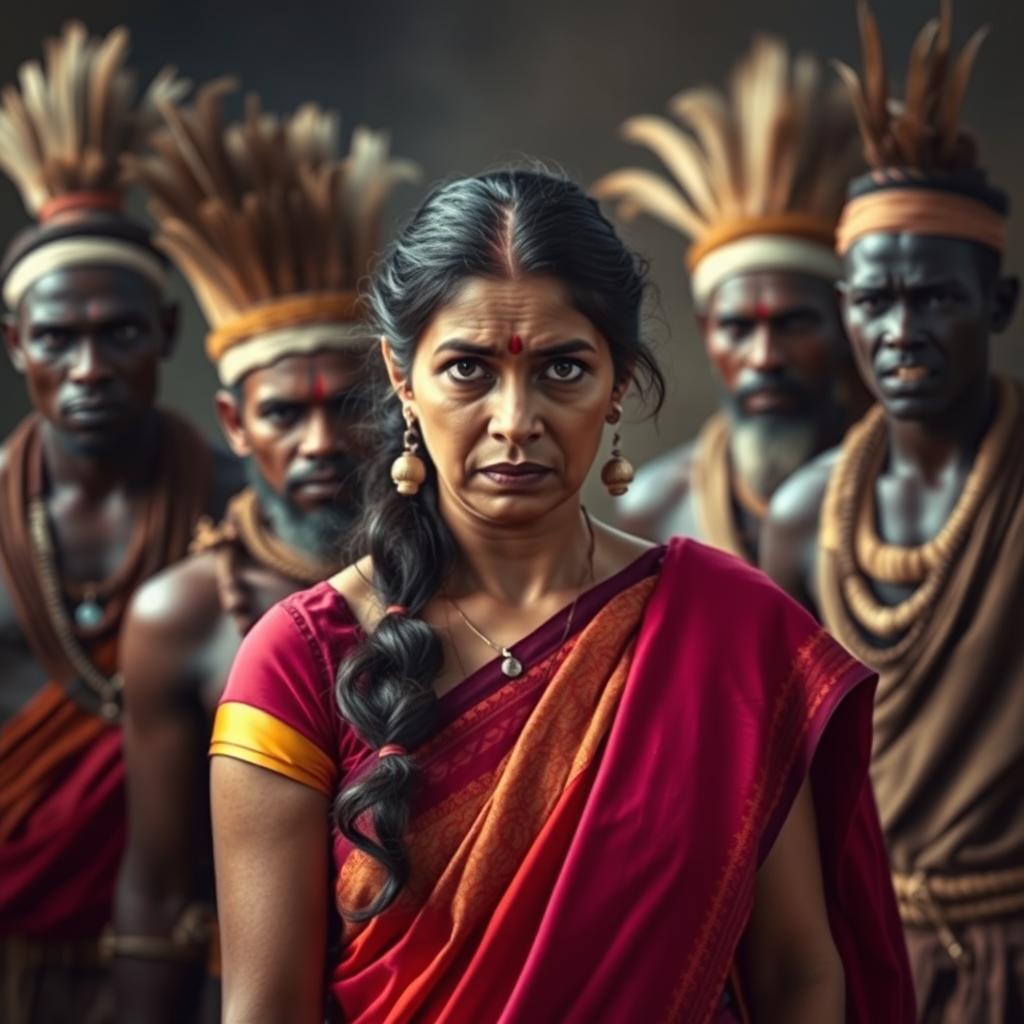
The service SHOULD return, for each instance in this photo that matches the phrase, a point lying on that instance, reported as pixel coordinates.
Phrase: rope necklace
(863, 556)
(269, 550)
(242, 531)
(511, 666)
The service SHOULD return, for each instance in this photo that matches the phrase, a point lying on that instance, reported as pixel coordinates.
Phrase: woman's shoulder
(712, 583)
(354, 590)
(727, 622)
(287, 664)
(316, 621)
(617, 550)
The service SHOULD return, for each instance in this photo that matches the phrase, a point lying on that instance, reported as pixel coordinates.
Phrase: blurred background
(466, 85)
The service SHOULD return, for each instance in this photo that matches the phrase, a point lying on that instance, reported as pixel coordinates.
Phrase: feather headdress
(922, 131)
(63, 133)
(270, 225)
(758, 176)
(924, 175)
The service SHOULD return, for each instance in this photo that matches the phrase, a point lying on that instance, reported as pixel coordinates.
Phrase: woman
(550, 772)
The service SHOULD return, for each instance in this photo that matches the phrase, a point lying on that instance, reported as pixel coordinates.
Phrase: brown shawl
(948, 759)
(711, 485)
(179, 494)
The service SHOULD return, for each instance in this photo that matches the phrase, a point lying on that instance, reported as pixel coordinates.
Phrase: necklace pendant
(110, 711)
(88, 614)
(511, 666)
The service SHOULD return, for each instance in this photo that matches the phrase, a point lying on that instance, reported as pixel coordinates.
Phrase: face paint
(319, 388)
(762, 312)
(515, 344)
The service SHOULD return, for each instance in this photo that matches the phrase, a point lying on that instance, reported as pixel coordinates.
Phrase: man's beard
(321, 533)
(765, 450)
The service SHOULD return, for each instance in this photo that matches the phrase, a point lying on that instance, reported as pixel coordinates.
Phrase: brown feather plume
(264, 207)
(757, 151)
(68, 123)
(922, 131)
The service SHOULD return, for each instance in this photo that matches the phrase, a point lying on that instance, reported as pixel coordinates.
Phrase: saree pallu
(587, 837)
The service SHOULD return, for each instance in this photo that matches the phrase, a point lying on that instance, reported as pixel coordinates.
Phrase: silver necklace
(511, 666)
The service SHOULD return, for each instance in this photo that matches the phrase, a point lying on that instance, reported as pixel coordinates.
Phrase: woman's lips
(520, 476)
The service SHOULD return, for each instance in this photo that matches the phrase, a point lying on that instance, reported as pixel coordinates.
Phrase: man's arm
(652, 508)
(789, 536)
(166, 867)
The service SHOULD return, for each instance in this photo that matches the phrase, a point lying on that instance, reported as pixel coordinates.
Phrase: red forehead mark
(515, 344)
(319, 387)
(763, 311)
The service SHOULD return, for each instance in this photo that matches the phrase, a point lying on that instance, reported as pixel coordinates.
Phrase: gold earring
(408, 471)
(617, 473)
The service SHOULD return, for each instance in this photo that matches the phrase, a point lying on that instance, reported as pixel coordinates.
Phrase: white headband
(78, 251)
(761, 252)
(263, 349)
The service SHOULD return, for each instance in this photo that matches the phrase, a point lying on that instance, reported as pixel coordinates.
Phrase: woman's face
(511, 387)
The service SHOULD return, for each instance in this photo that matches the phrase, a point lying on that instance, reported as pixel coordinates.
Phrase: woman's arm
(792, 969)
(270, 846)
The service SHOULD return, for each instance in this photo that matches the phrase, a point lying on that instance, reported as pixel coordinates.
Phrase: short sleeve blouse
(278, 710)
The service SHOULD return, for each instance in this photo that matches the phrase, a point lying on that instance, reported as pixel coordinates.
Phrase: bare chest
(21, 677)
(908, 514)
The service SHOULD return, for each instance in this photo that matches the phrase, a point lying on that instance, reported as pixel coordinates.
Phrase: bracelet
(187, 942)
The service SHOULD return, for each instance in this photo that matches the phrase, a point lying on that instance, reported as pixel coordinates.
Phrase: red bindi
(515, 344)
(319, 387)
(762, 311)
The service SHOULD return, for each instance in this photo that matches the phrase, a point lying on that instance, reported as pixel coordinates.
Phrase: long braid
(386, 687)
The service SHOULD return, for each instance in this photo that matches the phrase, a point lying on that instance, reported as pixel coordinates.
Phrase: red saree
(587, 837)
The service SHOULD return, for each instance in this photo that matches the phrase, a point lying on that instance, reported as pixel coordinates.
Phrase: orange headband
(920, 211)
(292, 311)
(791, 224)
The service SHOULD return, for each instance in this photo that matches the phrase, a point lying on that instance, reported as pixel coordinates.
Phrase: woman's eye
(466, 370)
(564, 371)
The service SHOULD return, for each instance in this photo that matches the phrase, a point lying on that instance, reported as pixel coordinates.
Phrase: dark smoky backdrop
(467, 85)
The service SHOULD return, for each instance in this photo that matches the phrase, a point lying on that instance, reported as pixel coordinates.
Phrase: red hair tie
(392, 750)
(396, 609)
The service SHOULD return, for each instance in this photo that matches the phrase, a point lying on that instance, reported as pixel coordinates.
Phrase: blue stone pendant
(88, 614)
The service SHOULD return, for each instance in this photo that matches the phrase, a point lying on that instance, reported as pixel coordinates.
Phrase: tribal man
(763, 176)
(909, 540)
(100, 490)
(289, 350)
